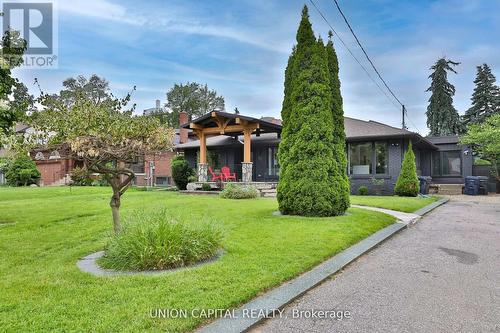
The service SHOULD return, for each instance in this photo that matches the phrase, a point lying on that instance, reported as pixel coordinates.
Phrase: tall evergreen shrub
(408, 184)
(308, 154)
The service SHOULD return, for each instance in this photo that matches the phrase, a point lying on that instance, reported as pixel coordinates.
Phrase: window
(360, 158)
(368, 158)
(137, 166)
(381, 158)
(447, 163)
(162, 181)
(273, 168)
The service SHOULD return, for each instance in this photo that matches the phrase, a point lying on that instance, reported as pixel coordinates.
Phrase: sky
(240, 48)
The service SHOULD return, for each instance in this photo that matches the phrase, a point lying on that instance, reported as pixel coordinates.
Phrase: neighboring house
(374, 150)
(152, 170)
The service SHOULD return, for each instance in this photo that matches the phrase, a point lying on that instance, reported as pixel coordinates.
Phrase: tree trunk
(115, 208)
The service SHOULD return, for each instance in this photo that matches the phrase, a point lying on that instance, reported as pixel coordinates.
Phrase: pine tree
(442, 117)
(307, 150)
(485, 98)
(338, 122)
(407, 184)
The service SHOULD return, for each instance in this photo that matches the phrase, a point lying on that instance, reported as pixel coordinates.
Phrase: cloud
(173, 21)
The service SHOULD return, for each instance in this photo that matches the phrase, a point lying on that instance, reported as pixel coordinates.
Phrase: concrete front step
(448, 189)
(268, 193)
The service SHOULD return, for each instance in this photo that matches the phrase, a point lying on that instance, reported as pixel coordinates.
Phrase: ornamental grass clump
(233, 191)
(157, 241)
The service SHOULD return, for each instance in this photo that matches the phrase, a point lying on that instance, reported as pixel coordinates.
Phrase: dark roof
(208, 121)
(448, 139)
(355, 129)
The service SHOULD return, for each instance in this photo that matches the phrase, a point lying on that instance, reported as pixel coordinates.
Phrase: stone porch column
(246, 171)
(202, 172)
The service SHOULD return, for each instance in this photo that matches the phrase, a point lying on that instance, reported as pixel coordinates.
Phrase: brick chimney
(183, 132)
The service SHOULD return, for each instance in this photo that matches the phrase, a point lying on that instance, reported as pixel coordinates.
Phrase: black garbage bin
(471, 185)
(483, 185)
(424, 184)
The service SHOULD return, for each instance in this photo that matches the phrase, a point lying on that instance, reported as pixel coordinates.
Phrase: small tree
(22, 171)
(408, 184)
(485, 138)
(102, 136)
(14, 97)
(181, 171)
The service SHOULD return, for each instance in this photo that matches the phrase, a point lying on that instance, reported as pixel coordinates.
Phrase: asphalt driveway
(441, 275)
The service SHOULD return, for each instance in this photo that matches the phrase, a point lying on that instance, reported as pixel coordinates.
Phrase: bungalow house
(249, 146)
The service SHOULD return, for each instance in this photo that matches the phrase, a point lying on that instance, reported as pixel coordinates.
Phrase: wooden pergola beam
(228, 129)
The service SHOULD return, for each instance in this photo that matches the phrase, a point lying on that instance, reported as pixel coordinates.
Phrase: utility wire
(352, 54)
(366, 54)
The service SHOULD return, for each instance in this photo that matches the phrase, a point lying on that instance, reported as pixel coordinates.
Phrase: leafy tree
(442, 117)
(95, 89)
(22, 171)
(341, 179)
(194, 99)
(12, 48)
(181, 171)
(485, 98)
(407, 184)
(103, 135)
(485, 138)
(307, 153)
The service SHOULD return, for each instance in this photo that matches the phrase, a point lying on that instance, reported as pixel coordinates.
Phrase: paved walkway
(406, 218)
(441, 275)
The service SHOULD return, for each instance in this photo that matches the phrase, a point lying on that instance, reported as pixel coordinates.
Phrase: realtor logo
(36, 24)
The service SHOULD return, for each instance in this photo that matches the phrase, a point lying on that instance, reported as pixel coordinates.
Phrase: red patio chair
(226, 174)
(215, 177)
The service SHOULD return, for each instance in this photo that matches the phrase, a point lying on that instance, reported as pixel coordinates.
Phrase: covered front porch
(238, 142)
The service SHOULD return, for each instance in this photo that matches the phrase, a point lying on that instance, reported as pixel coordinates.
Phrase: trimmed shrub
(363, 190)
(181, 171)
(192, 179)
(206, 187)
(157, 241)
(234, 191)
(408, 184)
(22, 171)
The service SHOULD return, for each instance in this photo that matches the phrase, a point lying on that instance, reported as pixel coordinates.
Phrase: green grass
(43, 232)
(402, 204)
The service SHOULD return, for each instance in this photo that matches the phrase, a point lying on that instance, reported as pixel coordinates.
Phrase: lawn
(402, 204)
(43, 232)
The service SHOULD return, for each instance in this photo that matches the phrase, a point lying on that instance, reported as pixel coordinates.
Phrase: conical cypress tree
(307, 163)
(341, 179)
(408, 184)
(442, 117)
(485, 99)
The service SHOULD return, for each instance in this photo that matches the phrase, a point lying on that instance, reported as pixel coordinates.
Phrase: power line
(352, 54)
(366, 54)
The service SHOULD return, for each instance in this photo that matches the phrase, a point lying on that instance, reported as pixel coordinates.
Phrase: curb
(424, 210)
(88, 264)
(286, 293)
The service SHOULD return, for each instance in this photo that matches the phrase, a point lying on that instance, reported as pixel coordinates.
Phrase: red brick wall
(162, 163)
(53, 170)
